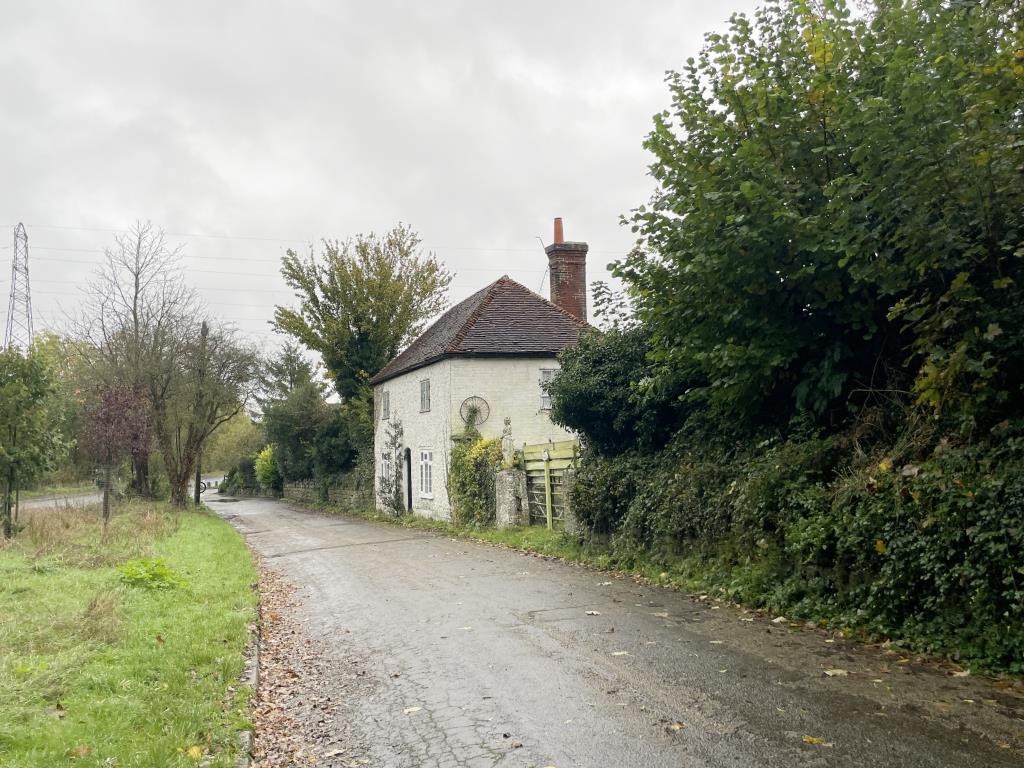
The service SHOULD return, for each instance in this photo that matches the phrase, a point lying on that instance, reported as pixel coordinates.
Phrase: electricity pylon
(19, 309)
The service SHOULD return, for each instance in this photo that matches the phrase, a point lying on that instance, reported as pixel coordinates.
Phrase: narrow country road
(60, 501)
(471, 655)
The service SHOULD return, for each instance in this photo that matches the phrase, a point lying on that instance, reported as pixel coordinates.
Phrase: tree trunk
(8, 528)
(196, 492)
(7, 504)
(140, 477)
(106, 497)
(179, 477)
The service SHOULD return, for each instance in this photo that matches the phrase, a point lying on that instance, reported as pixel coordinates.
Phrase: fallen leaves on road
(295, 720)
(676, 726)
(836, 673)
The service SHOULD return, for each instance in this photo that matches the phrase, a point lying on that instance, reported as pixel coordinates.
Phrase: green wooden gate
(545, 480)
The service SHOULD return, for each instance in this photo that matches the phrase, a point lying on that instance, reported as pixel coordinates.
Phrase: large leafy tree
(237, 438)
(839, 211)
(212, 381)
(292, 425)
(361, 301)
(283, 373)
(30, 430)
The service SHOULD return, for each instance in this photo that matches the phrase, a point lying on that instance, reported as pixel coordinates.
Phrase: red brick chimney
(567, 263)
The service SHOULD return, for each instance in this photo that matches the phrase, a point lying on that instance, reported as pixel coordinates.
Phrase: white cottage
(488, 354)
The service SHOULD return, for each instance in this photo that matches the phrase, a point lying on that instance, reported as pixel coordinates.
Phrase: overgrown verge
(125, 651)
(919, 539)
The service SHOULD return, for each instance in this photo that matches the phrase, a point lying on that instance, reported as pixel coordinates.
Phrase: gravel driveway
(447, 652)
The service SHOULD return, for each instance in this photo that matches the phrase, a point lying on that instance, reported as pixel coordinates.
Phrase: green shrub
(923, 543)
(594, 393)
(471, 476)
(149, 574)
(241, 478)
(267, 473)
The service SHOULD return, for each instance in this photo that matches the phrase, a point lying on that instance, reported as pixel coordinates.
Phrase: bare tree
(136, 318)
(147, 329)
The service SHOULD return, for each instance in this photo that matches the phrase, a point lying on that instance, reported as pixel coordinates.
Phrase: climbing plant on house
(391, 491)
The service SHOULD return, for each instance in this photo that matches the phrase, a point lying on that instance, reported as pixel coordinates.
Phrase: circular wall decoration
(475, 408)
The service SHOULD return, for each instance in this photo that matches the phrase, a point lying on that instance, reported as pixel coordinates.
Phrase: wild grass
(686, 573)
(94, 672)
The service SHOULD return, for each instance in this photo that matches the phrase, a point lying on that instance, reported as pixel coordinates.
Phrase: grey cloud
(474, 122)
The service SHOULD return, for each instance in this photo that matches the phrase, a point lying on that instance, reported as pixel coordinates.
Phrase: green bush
(594, 393)
(473, 469)
(920, 542)
(267, 473)
(931, 550)
(241, 479)
(149, 574)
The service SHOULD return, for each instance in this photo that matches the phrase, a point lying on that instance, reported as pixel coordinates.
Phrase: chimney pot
(559, 233)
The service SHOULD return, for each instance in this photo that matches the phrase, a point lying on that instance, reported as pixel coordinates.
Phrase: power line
(261, 238)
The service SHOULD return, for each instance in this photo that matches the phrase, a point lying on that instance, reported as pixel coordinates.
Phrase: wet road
(471, 655)
(61, 501)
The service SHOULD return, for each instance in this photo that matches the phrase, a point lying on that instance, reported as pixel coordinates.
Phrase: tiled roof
(504, 319)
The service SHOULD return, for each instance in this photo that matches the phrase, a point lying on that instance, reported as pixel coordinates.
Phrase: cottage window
(385, 405)
(424, 395)
(546, 375)
(427, 474)
(386, 477)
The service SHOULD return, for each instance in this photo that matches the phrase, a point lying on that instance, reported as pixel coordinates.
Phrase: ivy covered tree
(840, 212)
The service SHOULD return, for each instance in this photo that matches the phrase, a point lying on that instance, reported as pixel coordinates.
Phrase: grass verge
(125, 650)
(553, 543)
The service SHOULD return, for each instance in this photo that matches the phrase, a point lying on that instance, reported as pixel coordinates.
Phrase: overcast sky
(243, 129)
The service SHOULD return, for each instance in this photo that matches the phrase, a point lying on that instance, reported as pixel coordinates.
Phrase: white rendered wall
(511, 387)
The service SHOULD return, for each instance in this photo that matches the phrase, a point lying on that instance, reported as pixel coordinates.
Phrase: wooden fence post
(547, 490)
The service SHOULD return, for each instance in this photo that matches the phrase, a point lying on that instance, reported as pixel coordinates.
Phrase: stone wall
(347, 492)
(302, 491)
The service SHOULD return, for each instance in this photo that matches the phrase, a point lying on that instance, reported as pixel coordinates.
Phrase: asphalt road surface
(62, 500)
(472, 655)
